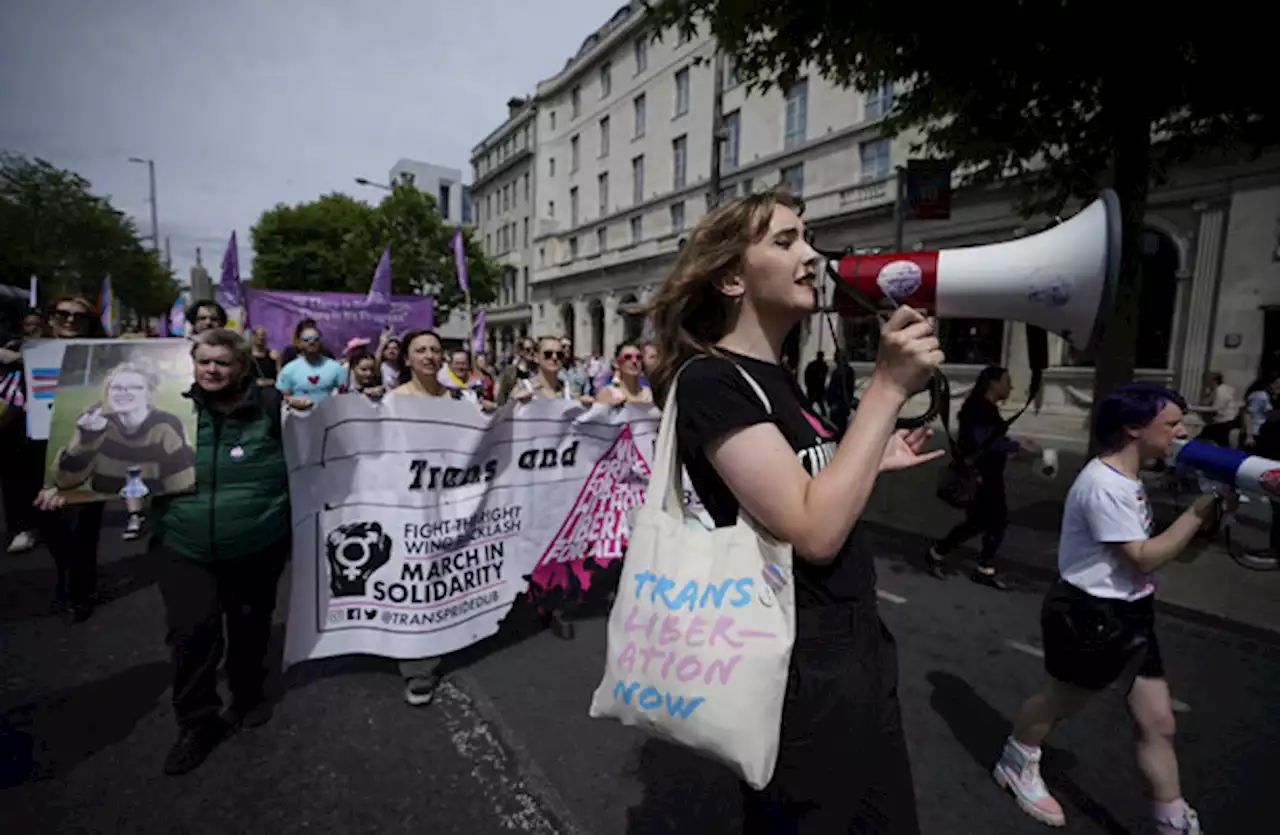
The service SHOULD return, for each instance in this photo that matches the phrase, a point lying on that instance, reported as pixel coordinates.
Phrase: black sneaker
(935, 563)
(193, 747)
(422, 690)
(254, 714)
(134, 527)
(991, 579)
(561, 626)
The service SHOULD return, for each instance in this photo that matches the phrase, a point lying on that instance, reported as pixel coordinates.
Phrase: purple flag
(477, 334)
(460, 259)
(229, 292)
(380, 287)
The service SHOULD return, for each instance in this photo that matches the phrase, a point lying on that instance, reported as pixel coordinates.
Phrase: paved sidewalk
(1204, 582)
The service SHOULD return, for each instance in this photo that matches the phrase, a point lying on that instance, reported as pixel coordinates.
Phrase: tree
(1059, 98)
(334, 243)
(53, 227)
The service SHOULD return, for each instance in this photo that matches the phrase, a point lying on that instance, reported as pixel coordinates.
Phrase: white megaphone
(1061, 280)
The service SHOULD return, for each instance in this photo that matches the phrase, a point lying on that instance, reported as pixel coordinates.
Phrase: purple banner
(340, 316)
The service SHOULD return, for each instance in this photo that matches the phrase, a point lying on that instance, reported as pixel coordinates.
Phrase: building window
(730, 73)
(526, 231)
(637, 113)
(575, 101)
(551, 209)
(793, 179)
(797, 115)
(488, 244)
(523, 295)
(875, 159)
(636, 229)
(526, 186)
(488, 206)
(573, 154)
(641, 50)
(602, 238)
(551, 166)
(637, 179)
(879, 102)
(551, 116)
(542, 256)
(679, 161)
(573, 206)
(682, 92)
(732, 126)
(677, 216)
(602, 185)
(606, 79)
(506, 198)
(604, 137)
(573, 248)
(444, 199)
(528, 137)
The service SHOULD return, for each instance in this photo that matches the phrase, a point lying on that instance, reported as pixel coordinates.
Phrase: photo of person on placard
(117, 438)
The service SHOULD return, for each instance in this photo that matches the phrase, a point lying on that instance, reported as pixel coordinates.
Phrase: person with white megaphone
(1098, 620)
(744, 280)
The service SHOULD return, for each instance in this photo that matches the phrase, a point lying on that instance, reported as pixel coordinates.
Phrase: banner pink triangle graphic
(596, 527)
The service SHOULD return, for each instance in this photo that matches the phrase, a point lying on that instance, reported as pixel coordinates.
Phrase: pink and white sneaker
(1189, 825)
(1019, 771)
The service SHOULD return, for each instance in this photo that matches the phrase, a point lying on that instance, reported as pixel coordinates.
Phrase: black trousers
(1218, 433)
(71, 535)
(842, 763)
(197, 597)
(988, 515)
(21, 475)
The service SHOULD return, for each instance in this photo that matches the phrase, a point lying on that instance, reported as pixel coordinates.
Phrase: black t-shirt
(713, 399)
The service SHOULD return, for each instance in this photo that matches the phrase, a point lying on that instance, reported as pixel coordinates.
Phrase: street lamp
(155, 223)
(361, 181)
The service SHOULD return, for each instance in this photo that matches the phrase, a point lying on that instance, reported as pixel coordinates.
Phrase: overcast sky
(247, 103)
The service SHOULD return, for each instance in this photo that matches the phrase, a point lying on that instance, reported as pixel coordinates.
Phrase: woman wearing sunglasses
(547, 381)
(628, 384)
(311, 377)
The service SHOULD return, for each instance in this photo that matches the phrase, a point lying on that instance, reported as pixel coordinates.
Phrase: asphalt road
(508, 747)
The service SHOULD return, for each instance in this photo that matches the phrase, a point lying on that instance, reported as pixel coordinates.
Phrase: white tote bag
(701, 630)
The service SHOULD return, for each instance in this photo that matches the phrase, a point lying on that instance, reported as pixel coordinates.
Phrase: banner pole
(471, 326)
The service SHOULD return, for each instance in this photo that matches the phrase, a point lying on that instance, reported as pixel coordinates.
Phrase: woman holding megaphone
(745, 279)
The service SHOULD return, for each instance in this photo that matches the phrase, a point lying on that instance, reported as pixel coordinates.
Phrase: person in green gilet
(222, 549)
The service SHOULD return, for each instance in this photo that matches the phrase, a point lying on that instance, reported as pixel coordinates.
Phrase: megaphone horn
(1062, 280)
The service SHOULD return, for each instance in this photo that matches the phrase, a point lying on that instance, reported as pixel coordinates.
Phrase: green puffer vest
(241, 502)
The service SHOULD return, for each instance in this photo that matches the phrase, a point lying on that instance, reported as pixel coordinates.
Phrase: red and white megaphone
(1061, 280)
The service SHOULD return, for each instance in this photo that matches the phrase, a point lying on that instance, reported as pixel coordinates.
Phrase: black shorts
(1094, 642)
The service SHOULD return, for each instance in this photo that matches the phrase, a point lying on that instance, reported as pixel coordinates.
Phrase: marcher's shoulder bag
(701, 632)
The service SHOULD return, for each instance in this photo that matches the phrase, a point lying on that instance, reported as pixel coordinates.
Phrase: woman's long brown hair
(689, 313)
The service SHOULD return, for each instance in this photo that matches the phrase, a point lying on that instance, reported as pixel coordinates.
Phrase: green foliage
(334, 243)
(53, 227)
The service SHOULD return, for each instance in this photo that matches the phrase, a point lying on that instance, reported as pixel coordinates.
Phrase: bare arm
(815, 514)
(1149, 554)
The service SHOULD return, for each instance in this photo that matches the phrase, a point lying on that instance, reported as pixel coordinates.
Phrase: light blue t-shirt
(314, 382)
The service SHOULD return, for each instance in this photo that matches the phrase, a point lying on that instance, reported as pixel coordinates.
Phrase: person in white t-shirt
(1098, 619)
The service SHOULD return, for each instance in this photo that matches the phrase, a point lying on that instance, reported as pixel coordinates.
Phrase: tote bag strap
(665, 488)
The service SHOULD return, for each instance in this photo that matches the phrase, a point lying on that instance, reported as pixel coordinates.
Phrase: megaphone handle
(939, 399)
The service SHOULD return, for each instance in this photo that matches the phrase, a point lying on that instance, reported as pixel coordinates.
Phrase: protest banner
(340, 316)
(417, 522)
(119, 417)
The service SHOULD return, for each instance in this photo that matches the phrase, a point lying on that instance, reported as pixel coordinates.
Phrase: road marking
(890, 597)
(515, 806)
(1027, 648)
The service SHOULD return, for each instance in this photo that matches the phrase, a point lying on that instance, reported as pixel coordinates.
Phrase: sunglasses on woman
(629, 357)
(310, 339)
(553, 355)
(72, 315)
